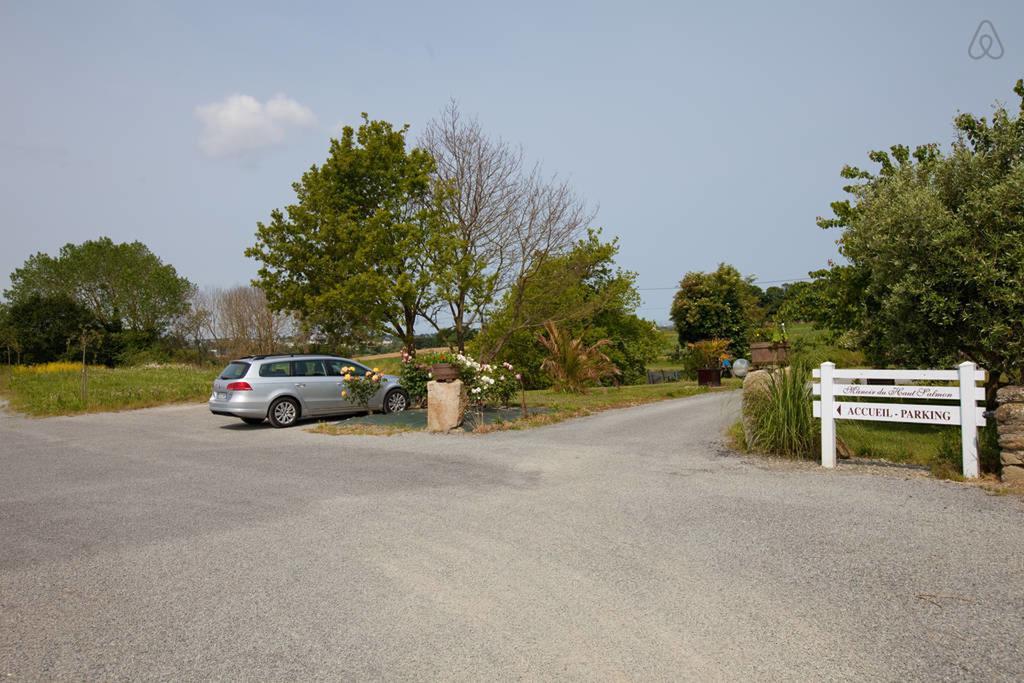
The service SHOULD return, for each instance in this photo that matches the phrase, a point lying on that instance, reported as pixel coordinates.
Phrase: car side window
(279, 369)
(309, 368)
(359, 369)
(334, 366)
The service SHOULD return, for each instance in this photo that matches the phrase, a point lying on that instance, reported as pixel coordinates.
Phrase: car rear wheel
(252, 420)
(284, 412)
(396, 401)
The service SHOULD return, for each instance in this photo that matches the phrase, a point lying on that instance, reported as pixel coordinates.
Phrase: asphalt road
(172, 544)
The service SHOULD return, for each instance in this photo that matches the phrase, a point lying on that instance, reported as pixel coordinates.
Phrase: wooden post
(85, 376)
(968, 420)
(828, 424)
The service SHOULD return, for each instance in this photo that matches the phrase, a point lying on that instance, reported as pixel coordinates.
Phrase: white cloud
(241, 123)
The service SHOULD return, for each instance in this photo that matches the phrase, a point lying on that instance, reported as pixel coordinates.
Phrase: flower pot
(709, 377)
(444, 372)
(769, 353)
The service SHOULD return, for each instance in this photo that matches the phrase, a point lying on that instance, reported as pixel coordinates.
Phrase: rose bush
(485, 384)
(360, 388)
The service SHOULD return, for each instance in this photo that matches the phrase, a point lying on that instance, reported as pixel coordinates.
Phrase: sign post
(967, 415)
(968, 423)
(828, 421)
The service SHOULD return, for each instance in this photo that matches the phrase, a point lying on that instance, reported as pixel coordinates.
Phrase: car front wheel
(284, 412)
(396, 401)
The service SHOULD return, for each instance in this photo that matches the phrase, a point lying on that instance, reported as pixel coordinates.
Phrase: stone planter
(769, 353)
(709, 377)
(444, 372)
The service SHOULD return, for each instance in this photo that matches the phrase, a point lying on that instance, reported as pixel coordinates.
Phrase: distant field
(55, 389)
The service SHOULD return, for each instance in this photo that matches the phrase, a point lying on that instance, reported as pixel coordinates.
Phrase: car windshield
(235, 370)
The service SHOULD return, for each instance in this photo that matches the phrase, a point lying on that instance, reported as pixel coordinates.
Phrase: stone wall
(1010, 421)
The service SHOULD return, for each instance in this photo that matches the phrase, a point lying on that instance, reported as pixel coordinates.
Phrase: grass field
(56, 388)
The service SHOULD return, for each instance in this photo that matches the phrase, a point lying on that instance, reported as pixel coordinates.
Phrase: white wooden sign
(898, 412)
(967, 414)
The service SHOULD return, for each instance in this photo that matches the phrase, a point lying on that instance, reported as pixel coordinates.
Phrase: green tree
(8, 338)
(772, 298)
(120, 284)
(354, 255)
(935, 251)
(48, 327)
(586, 296)
(721, 304)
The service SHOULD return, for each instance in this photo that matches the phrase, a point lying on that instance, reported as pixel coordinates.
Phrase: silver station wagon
(283, 389)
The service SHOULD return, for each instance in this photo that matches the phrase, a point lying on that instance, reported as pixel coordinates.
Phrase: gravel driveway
(172, 544)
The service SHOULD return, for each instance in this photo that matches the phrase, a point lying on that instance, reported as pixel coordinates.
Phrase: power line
(763, 282)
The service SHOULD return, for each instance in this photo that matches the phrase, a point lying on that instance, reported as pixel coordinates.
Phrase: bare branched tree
(479, 185)
(196, 326)
(507, 221)
(243, 323)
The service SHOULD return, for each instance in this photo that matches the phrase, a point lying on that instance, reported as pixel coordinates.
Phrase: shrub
(780, 414)
(708, 353)
(485, 383)
(361, 388)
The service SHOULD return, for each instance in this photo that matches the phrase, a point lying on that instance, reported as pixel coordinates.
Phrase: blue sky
(703, 133)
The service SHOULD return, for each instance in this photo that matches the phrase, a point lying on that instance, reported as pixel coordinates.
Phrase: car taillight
(239, 386)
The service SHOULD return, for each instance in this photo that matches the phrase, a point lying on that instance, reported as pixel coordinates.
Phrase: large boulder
(446, 404)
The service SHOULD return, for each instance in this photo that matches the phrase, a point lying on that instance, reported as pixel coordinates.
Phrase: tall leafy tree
(121, 284)
(353, 255)
(720, 304)
(587, 297)
(48, 327)
(935, 251)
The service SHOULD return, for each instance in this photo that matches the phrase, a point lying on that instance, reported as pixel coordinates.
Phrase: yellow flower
(348, 377)
(369, 372)
(344, 393)
(376, 378)
(376, 369)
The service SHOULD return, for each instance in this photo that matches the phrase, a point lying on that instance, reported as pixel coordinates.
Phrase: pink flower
(519, 376)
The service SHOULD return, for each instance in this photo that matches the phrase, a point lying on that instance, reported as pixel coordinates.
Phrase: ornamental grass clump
(780, 414)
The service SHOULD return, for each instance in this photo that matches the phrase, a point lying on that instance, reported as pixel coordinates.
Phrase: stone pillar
(446, 403)
(1010, 421)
